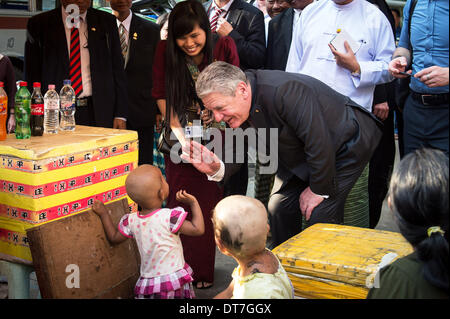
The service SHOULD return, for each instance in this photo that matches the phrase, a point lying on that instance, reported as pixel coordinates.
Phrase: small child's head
(240, 226)
(146, 186)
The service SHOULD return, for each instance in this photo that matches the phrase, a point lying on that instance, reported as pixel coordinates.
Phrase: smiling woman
(189, 48)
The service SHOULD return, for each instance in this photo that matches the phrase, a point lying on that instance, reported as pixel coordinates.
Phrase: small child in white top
(164, 272)
(240, 229)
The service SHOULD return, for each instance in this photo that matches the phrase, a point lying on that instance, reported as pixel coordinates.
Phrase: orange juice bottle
(3, 112)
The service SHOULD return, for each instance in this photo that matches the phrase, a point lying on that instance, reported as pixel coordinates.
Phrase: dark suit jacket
(248, 33)
(143, 38)
(319, 130)
(47, 60)
(279, 40)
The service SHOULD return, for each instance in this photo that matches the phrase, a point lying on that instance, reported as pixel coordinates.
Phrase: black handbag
(401, 86)
(164, 141)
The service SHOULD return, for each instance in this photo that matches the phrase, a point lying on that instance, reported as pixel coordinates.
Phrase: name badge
(194, 131)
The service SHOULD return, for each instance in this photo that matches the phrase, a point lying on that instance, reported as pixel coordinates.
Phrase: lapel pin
(94, 29)
(135, 36)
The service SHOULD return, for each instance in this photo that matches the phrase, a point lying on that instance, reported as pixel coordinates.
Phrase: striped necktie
(75, 62)
(215, 18)
(123, 40)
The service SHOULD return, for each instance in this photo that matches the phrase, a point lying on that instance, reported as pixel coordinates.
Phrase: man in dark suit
(245, 24)
(97, 70)
(280, 35)
(324, 140)
(139, 38)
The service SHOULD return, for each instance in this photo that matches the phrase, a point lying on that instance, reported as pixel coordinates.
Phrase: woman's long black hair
(180, 88)
(419, 194)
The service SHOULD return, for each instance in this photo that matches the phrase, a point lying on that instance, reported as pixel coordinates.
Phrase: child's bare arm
(227, 293)
(112, 233)
(196, 227)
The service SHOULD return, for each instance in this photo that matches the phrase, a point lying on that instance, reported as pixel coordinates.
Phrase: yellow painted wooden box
(328, 261)
(53, 176)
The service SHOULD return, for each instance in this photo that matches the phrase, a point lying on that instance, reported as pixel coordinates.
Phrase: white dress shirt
(213, 7)
(84, 51)
(309, 53)
(126, 23)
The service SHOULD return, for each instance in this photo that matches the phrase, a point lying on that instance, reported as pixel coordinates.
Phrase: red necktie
(215, 18)
(75, 62)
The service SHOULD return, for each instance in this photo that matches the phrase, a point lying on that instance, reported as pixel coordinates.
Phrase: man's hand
(434, 76)
(397, 65)
(223, 27)
(381, 110)
(11, 123)
(346, 60)
(120, 124)
(201, 158)
(308, 201)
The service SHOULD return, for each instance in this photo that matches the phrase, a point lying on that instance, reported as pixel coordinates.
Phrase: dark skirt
(199, 252)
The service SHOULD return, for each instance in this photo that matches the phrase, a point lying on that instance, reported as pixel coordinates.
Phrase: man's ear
(243, 89)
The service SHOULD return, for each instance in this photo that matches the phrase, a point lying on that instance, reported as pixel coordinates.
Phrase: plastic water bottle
(22, 111)
(67, 97)
(51, 110)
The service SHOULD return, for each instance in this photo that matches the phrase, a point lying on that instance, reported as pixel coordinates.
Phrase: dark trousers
(285, 217)
(380, 170)
(237, 183)
(145, 136)
(425, 126)
(84, 115)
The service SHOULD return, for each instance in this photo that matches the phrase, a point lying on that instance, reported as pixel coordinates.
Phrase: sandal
(203, 285)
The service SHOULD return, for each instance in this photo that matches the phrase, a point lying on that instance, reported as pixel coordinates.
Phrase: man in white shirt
(354, 74)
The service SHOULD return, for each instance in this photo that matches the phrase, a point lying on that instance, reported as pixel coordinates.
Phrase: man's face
(234, 110)
(275, 7)
(120, 5)
(83, 5)
(300, 4)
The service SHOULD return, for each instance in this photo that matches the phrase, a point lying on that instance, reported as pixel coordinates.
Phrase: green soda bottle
(22, 108)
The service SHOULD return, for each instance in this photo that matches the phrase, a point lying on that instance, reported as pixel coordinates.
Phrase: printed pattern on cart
(55, 212)
(65, 185)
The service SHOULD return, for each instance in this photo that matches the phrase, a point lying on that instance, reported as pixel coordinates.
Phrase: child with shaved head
(240, 229)
(164, 272)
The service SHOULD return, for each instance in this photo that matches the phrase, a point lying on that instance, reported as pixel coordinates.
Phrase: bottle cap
(65, 82)
(1, 84)
(23, 83)
(51, 86)
(36, 85)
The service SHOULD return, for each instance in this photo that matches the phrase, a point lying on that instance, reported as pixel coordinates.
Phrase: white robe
(309, 53)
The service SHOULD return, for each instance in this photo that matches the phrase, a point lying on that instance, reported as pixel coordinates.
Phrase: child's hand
(185, 198)
(99, 208)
